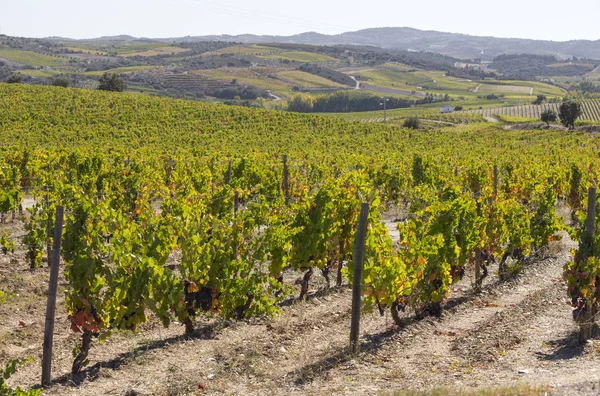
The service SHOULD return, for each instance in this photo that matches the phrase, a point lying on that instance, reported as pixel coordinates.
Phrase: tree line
(343, 102)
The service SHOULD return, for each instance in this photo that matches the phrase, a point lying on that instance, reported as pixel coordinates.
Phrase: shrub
(412, 123)
(15, 78)
(111, 82)
(569, 112)
(61, 82)
(548, 116)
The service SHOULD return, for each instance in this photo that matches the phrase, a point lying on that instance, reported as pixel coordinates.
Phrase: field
(301, 56)
(87, 51)
(505, 89)
(30, 58)
(590, 108)
(255, 50)
(255, 77)
(400, 77)
(131, 48)
(308, 80)
(205, 262)
(40, 73)
(122, 70)
(166, 50)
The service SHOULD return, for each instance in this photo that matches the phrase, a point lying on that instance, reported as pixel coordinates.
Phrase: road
(275, 97)
(357, 82)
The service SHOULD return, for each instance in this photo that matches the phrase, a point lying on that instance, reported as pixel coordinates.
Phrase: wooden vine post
(228, 174)
(495, 182)
(285, 179)
(51, 305)
(48, 225)
(585, 327)
(359, 253)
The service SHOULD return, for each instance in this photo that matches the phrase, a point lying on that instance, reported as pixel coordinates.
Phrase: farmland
(276, 73)
(30, 58)
(301, 56)
(121, 70)
(168, 201)
(590, 109)
(154, 51)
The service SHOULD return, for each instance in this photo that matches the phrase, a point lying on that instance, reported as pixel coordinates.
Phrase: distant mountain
(453, 44)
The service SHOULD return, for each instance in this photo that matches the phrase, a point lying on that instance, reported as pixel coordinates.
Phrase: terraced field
(505, 89)
(301, 56)
(261, 77)
(591, 110)
(307, 80)
(398, 116)
(194, 81)
(31, 58)
(255, 50)
(122, 70)
(167, 50)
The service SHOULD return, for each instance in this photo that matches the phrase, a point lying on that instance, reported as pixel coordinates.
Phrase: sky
(547, 20)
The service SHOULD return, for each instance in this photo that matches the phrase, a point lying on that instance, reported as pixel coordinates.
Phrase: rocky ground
(515, 337)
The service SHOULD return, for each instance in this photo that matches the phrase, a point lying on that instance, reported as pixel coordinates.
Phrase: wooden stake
(48, 226)
(236, 203)
(228, 174)
(478, 262)
(495, 182)
(51, 305)
(359, 253)
(585, 329)
(285, 179)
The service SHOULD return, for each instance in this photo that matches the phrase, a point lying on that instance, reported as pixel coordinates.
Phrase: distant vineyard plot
(30, 58)
(590, 108)
(505, 89)
(157, 51)
(301, 56)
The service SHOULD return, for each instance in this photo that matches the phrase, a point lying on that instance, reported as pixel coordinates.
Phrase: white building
(446, 109)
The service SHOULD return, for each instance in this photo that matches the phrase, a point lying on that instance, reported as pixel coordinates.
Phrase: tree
(539, 99)
(111, 82)
(301, 104)
(15, 78)
(569, 112)
(412, 123)
(61, 82)
(548, 116)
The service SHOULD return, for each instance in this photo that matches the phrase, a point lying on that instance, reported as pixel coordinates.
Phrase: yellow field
(505, 89)
(157, 51)
(122, 70)
(396, 66)
(301, 56)
(39, 73)
(308, 80)
(30, 58)
(255, 50)
(249, 77)
(87, 51)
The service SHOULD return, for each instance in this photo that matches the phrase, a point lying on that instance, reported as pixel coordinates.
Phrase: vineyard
(198, 218)
(590, 108)
(432, 115)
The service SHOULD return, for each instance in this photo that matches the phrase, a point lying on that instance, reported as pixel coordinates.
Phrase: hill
(177, 212)
(452, 44)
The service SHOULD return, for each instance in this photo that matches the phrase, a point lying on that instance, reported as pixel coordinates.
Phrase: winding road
(357, 82)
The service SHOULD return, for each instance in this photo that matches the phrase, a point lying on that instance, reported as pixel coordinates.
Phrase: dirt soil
(513, 333)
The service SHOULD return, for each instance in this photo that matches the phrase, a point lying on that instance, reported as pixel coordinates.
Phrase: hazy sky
(171, 18)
